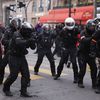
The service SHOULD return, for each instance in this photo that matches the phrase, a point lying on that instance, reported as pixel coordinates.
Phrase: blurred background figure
(44, 43)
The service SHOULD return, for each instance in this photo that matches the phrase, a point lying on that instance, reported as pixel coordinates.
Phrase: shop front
(81, 15)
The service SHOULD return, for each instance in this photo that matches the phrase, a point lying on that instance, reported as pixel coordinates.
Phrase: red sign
(87, 15)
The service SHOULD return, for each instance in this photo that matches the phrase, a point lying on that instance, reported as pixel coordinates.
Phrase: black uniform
(69, 40)
(2, 30)
(45, 42)
(57, 49)
(18, 63)
(96, 38)
(98, 55)
(98, 79)
(84, 58)
(5, 41)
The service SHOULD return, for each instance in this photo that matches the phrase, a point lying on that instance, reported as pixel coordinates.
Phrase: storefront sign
(87, 15)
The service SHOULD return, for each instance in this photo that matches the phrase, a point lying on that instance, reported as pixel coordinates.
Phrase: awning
(46, 19)
(81, 15)
(60, 18)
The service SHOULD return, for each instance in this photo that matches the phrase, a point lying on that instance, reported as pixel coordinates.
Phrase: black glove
(32, 43)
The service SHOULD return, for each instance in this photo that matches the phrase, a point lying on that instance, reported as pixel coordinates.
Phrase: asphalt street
(43, 87)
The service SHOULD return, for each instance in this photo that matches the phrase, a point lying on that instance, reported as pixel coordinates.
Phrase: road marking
(45, 71)
(32, 76)
(35, 77)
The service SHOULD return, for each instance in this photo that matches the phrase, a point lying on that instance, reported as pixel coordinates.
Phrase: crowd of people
(72, 44)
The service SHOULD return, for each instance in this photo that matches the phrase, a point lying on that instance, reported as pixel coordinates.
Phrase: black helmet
(16, 23)
(96, 20)
(98, 26)
(90, 26)
(26, 29)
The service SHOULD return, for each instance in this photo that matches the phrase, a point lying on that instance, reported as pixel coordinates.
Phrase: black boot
(7, 92)
(53, 74)
(35, 73)
(25, 94)
(80, 85)
(56, 77)
(97, 91)
(75, 80)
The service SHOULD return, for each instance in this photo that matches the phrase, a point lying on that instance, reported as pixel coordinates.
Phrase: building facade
(34, 9)
(1, 12)
(80, 10)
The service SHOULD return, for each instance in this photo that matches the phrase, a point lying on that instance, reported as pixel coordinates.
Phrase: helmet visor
(70, 24)
(16, 23)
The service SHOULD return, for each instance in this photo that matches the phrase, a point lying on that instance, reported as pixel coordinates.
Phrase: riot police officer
(45, 42)
(96, 38)
(2, 30)
(85, 55)
(21, 40)
(57, 49)
(98, 79)
(98, 47)
(5, 41)
(69, 39)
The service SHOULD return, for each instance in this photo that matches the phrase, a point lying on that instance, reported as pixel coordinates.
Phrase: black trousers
(64, 58)
(3, 64)
(16, 65)
(49, 55)
(83, 61)
(98, 80)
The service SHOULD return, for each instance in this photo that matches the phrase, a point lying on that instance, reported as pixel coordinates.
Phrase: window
(41, 5)
(84, 2)
(98, 8)
(60, 3)
(34, 20)
(34, 6)
(48, 4)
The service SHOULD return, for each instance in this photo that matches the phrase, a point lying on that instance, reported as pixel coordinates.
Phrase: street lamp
(70, 8)
(70, 5)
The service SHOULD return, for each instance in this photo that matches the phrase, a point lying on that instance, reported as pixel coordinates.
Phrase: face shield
(26, 29)
(16, 23)
(98, 26)
(69, 23)
(90, 25)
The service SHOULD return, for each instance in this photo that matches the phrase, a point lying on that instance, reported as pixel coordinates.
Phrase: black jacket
(45, 40)
(85, 42)
(9, 31)
(18, 44)
(69, 38)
